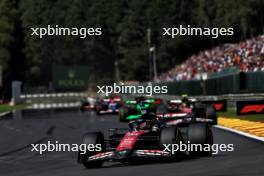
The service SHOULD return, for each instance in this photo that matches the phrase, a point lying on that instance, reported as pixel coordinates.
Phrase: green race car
(134, 109)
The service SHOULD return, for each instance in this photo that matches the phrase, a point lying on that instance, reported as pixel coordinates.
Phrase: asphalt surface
(19, 130)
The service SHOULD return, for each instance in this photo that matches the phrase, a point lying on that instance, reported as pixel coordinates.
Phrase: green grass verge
(231, 113)
(7, 107)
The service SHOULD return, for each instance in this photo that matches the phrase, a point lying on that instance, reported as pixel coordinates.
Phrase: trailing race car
(88, 104)
(109, 105)
(188, 108)
(147, 138)
(130, 107)
(183, 109)
(135, 107)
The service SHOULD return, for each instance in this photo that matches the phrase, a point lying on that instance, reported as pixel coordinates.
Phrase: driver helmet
(184, 98)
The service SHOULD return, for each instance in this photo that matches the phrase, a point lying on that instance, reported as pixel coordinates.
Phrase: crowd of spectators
(245, 56)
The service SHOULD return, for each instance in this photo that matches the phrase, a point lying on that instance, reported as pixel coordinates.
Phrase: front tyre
(123, 113)
(201, 133)
(98, 108)
(94, 138)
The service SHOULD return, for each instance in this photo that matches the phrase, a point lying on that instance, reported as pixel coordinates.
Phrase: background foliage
(124, 38)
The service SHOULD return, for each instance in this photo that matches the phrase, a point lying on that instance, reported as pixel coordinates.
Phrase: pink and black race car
(176, 110)
(146, 139)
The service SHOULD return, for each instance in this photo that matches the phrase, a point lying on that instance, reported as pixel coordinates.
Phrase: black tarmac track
(19, 130)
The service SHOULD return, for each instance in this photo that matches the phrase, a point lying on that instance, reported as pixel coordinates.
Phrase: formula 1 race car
(135, 107)
(147, 138)
(87, 104)
(130, 107)
(179, 108)
(109, 105)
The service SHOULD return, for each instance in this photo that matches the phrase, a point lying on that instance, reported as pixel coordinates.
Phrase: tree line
(123, 45)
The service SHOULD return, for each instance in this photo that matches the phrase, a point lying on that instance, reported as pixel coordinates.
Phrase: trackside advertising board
(66, 78)
(220, 105)
(250, 107)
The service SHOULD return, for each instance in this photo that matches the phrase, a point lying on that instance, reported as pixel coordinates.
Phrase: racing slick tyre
(88, 139)
(82, 109)
(211, 114)
(170, 136)
(98, 112)
(123, 113)
(200, 110)
(201, 133)
(98, 109)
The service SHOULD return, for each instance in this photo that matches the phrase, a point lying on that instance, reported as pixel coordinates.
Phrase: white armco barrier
(54, 95)
(54, 105)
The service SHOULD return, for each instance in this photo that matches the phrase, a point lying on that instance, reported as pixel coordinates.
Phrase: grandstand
(246, 56)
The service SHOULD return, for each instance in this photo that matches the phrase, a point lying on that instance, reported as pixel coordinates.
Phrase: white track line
(241, 133)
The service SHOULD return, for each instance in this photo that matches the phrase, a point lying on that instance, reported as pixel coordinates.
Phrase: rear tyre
(201, 133)
(211, 114)
(98, 112)
(98, 109)
(200, 110)
(171, 135)
(123, 113)
(92, 138)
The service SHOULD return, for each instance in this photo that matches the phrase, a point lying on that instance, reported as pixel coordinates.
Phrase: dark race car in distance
(109, 105)
(88, 104)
